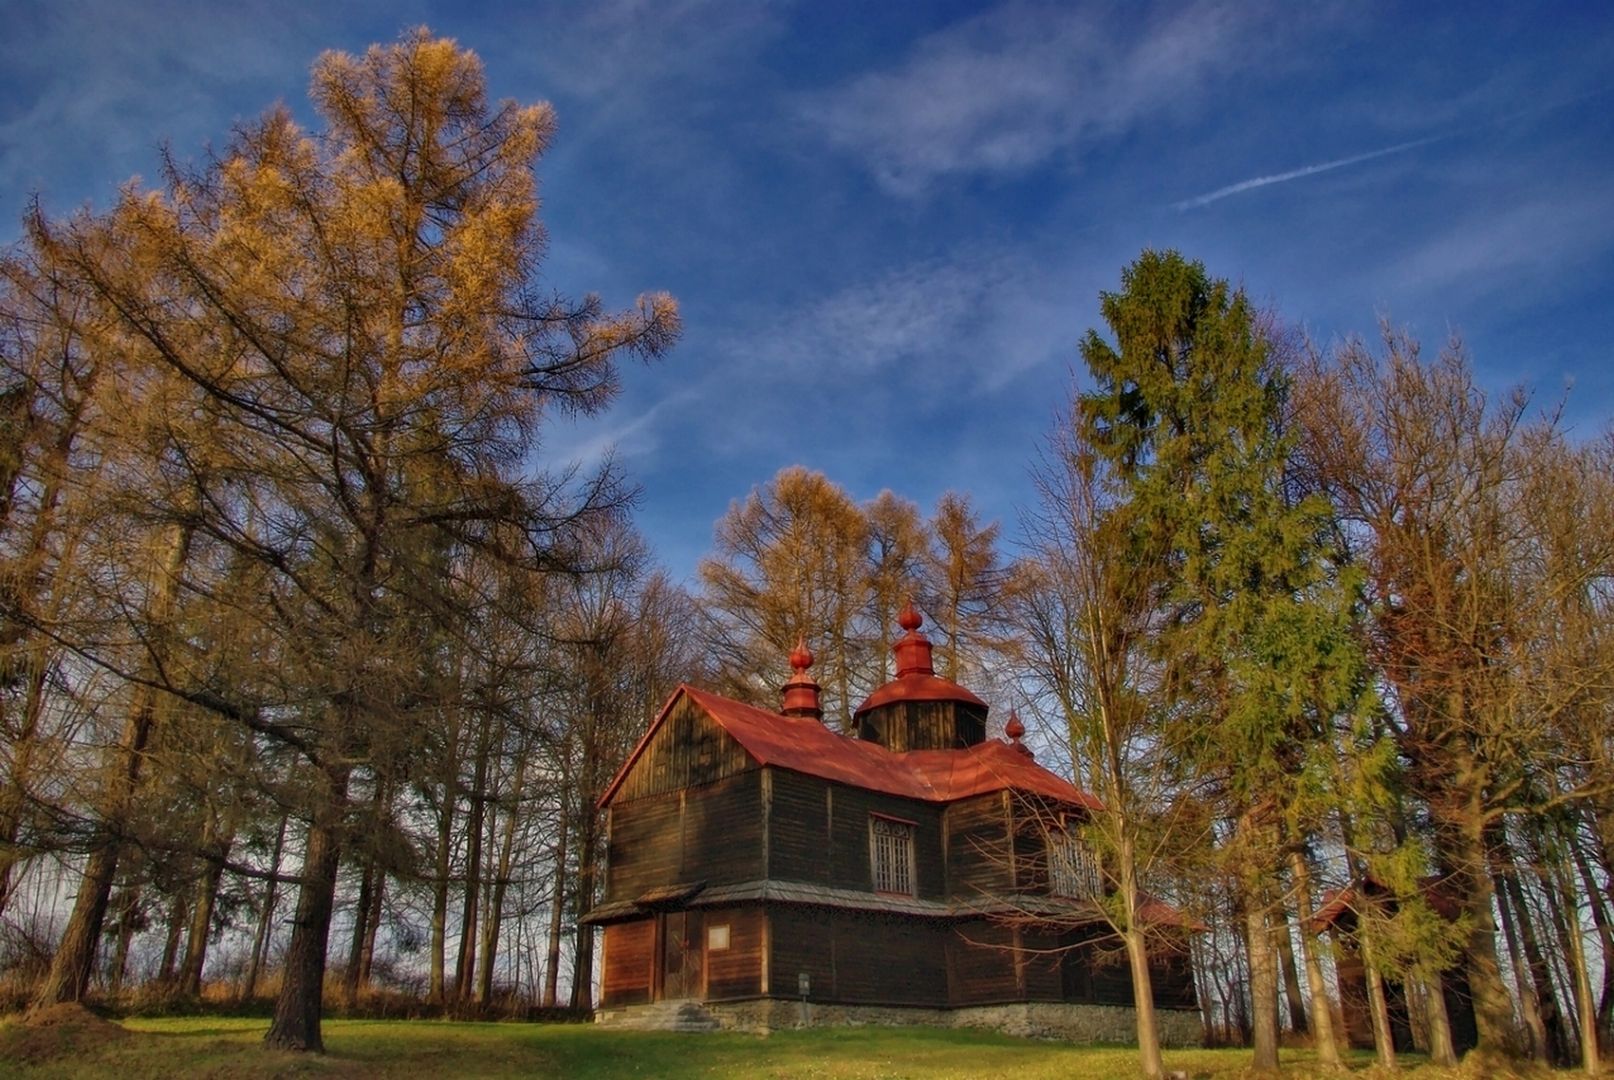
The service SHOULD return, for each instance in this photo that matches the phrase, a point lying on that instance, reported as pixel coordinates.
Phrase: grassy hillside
(76, 1044)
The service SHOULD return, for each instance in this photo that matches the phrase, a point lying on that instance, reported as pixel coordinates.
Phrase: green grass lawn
(176, 1047)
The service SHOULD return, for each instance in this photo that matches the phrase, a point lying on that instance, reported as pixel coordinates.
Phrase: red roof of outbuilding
(804, 745)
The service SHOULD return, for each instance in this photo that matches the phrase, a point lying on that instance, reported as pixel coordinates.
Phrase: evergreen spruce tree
(1256, 631)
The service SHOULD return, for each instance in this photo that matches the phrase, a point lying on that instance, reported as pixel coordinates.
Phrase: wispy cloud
(1007, 90)
(972, 319)
(1297, 174)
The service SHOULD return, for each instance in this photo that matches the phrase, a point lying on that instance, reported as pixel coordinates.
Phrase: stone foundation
(1033, 1020)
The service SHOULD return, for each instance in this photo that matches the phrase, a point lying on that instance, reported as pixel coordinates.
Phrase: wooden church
(775, 872)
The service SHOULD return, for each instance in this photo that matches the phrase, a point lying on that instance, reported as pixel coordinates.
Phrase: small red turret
(801, 692)
(1014, 729)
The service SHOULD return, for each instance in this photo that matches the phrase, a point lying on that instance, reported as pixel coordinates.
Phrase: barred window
(1073, 869)
(891, 854)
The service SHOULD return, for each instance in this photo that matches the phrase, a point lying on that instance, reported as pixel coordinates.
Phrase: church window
(891, 855)
(1073, 870)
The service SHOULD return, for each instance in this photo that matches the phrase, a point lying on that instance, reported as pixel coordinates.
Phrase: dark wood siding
(977, 850)
(849, 839)
(982, 963)
(630, 950)
(735, 972)
(801, 939)
(798, 822)
(688, 749)
(889, 960)
(924, 725)
(711, 833)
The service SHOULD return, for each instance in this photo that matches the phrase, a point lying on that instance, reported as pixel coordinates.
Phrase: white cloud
(1007, 90)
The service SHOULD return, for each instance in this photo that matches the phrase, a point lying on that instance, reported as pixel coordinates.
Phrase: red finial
(913, 648)
(1014, 728)
(801, 692)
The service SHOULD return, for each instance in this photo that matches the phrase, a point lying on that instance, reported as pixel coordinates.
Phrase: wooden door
(681, 953)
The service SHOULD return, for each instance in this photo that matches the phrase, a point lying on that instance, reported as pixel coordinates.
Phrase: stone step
(661, 1016)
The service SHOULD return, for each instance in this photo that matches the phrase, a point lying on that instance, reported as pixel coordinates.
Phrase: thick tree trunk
(1322, 1006)
(1263, 983)
(296, 1024)
(435, 993)
(1441, 1049)
(1470, 864)
(1291, 974)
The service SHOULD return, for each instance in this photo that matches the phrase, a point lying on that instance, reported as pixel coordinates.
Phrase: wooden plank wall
(801, 939)
(798, 828)
(977, 852)
(735, 972)
(688, 749)
(849, 839)
(981, 964)
(924, 725)
(630, 950)
(711, 833)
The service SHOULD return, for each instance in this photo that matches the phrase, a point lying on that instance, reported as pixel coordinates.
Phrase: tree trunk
(207, 891)
(1470, 863)
(1263, 983)
(1291, 974)
(557, 911)
(465, 963)
(361, 930)
(167, 969)
(1379, 1009)
(501, 881)
(1322, 1007)
(371, 924)
(70, 969)
(1552, 1014)
(1137, 954)
(1441, 1050)
(1586, 1008)
(583, 957)
(266, 917)
(128, 910)
(296, 1024)
(1529, 1001)
(435, 994)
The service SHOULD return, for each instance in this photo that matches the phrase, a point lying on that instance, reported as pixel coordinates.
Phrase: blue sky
(888, 224)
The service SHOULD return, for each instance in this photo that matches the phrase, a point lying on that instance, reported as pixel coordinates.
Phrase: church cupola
(801, 692)
(918, 710)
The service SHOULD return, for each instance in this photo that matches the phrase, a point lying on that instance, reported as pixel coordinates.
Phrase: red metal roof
(918, 688)
(804, 745)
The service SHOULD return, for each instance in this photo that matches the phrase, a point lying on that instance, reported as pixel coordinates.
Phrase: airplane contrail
(1295, 174)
